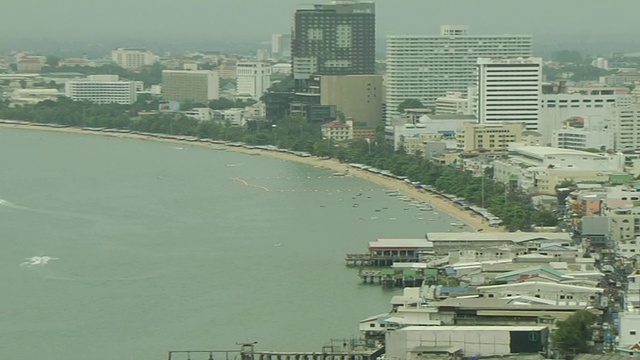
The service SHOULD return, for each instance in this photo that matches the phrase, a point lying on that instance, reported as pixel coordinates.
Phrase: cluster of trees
(150, 75)
(295, 133)
(573, 334)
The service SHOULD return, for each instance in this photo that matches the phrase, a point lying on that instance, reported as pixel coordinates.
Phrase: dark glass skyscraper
(334, 39)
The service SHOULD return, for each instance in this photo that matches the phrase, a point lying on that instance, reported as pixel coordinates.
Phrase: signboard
(169, 106)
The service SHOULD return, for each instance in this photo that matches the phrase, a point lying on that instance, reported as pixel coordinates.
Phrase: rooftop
(542, 151)
(473, 328)
(516, 237)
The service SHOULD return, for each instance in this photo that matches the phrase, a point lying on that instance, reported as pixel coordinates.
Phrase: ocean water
(125, 249)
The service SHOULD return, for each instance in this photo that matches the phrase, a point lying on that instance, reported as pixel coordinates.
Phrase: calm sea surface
(124, 249)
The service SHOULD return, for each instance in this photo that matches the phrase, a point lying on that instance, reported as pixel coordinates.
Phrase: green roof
(430, 272)
(545, 268)
(387, 272)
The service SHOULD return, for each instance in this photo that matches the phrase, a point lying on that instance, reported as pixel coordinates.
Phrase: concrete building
(492, 138)
(583, 139)
(539, 168)
(30, 64)
(102, 89)
(197, 86)
(418, 342)
(453, 103)
(252, 79)
(281, 68)
(281, 46)
(622, 78)
(626, 128)
(509, 90)
(597, 105)
(427, 67)
(334, 39)
(359, 97)
(337, 131)
(133, 59)
(202, 114)
(227, 70)
(601, 63)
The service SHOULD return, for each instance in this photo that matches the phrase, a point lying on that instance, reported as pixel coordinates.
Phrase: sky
(197, 20)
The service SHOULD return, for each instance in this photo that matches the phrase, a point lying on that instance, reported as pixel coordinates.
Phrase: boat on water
(340, 174)
(426, 208)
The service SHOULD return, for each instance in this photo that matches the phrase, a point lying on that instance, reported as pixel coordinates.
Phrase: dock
(346, 350)
(373, 260)
(390, 278)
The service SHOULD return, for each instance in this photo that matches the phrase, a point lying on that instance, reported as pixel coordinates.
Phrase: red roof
(335, 124)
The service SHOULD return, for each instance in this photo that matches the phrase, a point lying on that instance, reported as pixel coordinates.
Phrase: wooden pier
(390, 278)
(369, 260)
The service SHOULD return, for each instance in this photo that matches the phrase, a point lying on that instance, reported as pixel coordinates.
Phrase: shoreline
(439, 203)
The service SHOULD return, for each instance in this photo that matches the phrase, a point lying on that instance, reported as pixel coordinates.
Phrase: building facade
(197, 86)
(427, 67)
(509, 90)
(132, 59)
(493, 138)
(337, 131)
(280, 46)
(102, 89)
(252, 79)
(359, 97)
(334, 39)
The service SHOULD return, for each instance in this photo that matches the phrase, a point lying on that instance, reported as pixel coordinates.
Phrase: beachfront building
(199, 86)
(444, 242)
(337, 131)
(426, 67)
(453, 342)
(359, 97)
(102, 89)
(488, 138)
(538, 169)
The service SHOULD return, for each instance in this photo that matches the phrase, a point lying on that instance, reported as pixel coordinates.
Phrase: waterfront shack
(386, 252)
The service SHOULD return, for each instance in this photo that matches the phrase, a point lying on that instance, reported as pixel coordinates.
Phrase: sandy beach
(443, 205)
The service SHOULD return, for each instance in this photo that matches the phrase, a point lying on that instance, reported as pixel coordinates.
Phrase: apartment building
(426, 67)
(102, 89)
(197, 86)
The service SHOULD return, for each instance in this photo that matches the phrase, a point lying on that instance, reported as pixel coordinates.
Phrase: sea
(117, 248)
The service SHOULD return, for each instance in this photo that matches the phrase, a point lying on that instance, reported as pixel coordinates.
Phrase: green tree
(52, 60)
(573, 334)
(410, 104)
(544, 218)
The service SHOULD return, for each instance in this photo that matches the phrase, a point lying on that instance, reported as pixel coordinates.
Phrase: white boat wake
(37, 261)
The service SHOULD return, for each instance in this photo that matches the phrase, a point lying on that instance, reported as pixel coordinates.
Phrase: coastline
(443, 205)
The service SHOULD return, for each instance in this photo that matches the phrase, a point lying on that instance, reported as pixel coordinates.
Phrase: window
(632, 332)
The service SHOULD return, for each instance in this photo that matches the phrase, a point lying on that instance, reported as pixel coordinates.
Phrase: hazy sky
(250, 19)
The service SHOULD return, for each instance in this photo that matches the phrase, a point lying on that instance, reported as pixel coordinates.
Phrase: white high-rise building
(426, 67)
(102, 89)
(509, 90)
(253, 79)
(133, 59)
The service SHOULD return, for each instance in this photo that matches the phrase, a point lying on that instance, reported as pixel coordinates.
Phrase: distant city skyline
(251, 19)
(91, 26)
